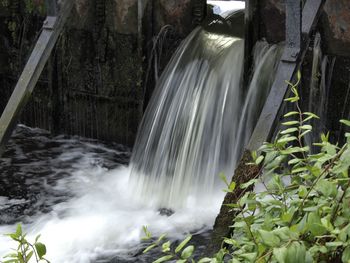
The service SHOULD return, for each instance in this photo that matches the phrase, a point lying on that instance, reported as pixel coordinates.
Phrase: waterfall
(194, 128)
(198, 120)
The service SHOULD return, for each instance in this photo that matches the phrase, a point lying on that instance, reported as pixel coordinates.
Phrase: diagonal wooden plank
(52, 28)
(266, 123)
(285, 72)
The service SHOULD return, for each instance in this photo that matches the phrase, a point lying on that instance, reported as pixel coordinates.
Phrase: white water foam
(101, 219)
(104, 215)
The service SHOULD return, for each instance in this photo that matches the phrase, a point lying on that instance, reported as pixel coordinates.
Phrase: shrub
(303, 212)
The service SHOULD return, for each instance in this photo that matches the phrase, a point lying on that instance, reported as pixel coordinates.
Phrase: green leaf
(345, 122)
(294, 161)
(280, 254)
(247, 184)
(254, 155)
(259, 159)
(148, 234)
(232, 186)
(223, 178)
(314, 224)
(30, 254)
(250, 257)
(302, 192)
(346, 255)
(166, 247)
(334, 244)
(291, 114)
(290, 130)
(304, 133)
(37, 238)
(305, 127)
(311, 115)
(149, 248)
(269, 238)
(163, 259)
(287, 139)
(296, 252)
(19, 230)
(290, 123)
(162, 236)
(40, 249)
(187, 252)
(299, 170)
(183, 244)
(299, 76)
(327, 188)
(205, 260)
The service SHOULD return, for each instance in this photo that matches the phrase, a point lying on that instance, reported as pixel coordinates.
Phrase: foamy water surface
(75, 193)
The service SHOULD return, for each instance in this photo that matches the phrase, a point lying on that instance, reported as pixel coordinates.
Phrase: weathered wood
(293, 30)
(52, 28)
(266, 123)
(286, 71)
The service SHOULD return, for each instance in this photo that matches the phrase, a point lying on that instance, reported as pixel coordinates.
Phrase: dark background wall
(102, 74)
(95, 82)
(334, 27)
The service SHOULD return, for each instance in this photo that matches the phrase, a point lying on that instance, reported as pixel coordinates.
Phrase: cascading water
(84, 208)
(198, 120)
(187, 137)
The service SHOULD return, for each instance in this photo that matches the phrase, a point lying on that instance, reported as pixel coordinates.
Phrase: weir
(217, 100)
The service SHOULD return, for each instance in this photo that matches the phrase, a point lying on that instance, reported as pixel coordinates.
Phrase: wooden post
(51, 30)
(263, 131)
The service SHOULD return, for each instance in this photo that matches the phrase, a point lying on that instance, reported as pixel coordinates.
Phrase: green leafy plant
(301, 212)
(181, 253)
(25, 250)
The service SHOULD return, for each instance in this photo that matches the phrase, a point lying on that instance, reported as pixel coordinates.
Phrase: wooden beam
(289, 64)
(267, 120)
(52, 28)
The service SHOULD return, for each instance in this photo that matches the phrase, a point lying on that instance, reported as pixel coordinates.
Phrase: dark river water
(74, 192)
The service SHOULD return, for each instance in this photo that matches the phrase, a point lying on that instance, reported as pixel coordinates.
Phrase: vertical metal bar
(51, 7)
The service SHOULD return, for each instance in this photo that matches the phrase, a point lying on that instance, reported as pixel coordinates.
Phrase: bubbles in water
(98, 218)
